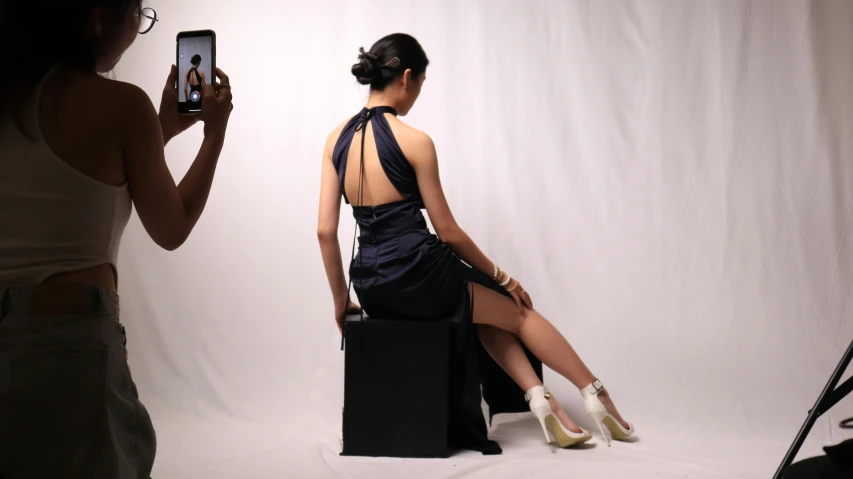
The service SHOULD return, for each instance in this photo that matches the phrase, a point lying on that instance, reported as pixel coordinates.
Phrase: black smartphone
(196, 68)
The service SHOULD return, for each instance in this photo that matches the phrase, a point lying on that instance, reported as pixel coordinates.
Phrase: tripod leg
(815, 412)
(837, 395)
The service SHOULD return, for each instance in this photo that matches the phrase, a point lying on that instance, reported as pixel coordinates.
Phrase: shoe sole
(615, 429)
(563, 439)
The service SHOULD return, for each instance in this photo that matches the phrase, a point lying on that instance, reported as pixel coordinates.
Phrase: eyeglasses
(147, 19)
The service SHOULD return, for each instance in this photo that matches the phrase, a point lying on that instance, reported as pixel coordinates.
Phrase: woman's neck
(381, 98)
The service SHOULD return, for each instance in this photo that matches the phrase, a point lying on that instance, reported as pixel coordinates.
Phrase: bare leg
(506, 350)
(539, 335)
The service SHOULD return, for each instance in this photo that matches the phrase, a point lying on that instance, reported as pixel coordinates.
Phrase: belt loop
(106, 305)
(101, 306)
(105, 299)
(4, 303)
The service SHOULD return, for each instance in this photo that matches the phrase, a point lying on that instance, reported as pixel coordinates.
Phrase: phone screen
(196, 68)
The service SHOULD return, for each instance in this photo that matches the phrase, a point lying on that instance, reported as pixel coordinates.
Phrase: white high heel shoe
(537, 398)
(599, 414)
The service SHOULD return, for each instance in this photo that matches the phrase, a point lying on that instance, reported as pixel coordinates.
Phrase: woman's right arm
(169, 211)
(422, 155)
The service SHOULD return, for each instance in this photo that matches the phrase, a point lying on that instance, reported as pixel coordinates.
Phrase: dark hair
(387, 59)
(46, 34)
(195, 59)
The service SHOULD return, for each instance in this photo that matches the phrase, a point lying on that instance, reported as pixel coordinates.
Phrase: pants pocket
(57, 397)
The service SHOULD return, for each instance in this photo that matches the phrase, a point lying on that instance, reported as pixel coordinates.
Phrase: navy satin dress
(402, 271)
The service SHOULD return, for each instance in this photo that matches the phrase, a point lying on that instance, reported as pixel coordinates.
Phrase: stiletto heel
(537, 398)
(541, 414)
(598, 418)
(603, 419)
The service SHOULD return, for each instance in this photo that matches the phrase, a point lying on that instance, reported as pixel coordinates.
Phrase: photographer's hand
(217, 105)
(171, 121)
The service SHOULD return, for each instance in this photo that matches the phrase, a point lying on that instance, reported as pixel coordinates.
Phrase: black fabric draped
(402, 271)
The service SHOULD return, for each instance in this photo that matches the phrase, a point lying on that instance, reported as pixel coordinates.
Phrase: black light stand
(828, 397)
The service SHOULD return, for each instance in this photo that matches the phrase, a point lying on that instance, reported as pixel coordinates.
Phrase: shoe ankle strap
(545, 392)
(594, 388)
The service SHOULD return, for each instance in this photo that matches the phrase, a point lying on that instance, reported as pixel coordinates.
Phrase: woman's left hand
(341, 312)
(520, 295)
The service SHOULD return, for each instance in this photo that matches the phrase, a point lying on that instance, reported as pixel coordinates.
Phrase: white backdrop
(670, 179)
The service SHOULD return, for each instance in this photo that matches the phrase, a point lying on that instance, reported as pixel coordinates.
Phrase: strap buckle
(546, 393)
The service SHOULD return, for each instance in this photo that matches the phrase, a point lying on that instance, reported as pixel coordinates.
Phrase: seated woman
(194, 80)
(404, 271)
(77, 152)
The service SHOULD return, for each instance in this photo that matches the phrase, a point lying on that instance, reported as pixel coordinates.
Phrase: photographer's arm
(168, 211)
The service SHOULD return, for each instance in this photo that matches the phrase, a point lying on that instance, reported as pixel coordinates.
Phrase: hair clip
(392, 63)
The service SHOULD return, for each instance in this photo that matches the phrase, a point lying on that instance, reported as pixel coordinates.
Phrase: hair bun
(367, 69)
(370, 56)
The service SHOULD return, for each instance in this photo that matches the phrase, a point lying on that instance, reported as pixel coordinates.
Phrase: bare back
(408, 170)
(378, 189)
(195, 80)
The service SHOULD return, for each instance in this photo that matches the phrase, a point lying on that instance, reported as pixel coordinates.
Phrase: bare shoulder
(415, 144)
(332, 139)
(112, 105)
(129, 102)
(134, 96)
(122, 110)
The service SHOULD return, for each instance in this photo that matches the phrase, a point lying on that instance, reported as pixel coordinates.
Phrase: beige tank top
(53, 218)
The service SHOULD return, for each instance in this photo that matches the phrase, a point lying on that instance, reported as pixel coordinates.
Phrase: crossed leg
(501, 325)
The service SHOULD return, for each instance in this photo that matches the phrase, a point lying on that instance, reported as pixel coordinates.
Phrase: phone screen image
(196, 64)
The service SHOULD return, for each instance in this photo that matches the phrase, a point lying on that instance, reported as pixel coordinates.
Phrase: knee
(517, 322)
